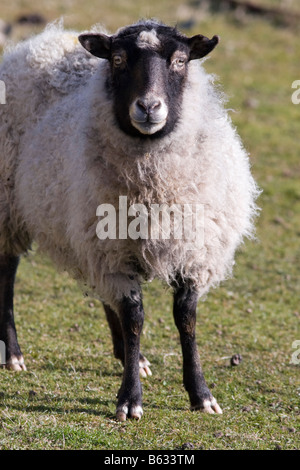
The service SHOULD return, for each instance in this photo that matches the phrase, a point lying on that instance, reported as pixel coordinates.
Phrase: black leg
(130, 394)
(8, 334)
(116, 332)
(185, 303)
(118, 342)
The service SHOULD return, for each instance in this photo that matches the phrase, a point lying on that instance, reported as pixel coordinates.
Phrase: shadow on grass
(44, 406)
(56, 405)
(165, 407)
(116, 371)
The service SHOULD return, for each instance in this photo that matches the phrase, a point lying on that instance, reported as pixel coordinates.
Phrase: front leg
(185, 303)
(131, 315)
(8, 334)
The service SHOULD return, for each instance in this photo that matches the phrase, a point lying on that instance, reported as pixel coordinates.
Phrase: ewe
(134, 119)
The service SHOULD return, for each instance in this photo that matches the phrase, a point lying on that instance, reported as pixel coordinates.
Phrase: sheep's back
(37, 73)
(40, 71)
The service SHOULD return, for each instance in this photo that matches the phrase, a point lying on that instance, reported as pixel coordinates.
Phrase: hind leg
(118, 341)
(8, 334)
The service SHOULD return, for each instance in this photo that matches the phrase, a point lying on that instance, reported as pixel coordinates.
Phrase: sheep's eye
(117, 60)
(178, 63)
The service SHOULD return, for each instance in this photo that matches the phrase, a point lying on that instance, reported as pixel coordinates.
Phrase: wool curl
(62, 154)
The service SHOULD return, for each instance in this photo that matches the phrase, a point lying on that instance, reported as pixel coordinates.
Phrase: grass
(66, 399)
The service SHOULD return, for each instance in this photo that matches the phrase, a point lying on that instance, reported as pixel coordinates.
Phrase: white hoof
(145, 370)
(16, 363)
(134, 412)
(209, 406)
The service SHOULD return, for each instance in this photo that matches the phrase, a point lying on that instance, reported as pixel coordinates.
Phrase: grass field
(66, 399)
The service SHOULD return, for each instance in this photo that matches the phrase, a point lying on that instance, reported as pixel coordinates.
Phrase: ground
(67, 397)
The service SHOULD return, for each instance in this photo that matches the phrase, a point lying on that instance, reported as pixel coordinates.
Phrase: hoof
(133, 412)
(15, 363)
(145, 370)
(209, 406)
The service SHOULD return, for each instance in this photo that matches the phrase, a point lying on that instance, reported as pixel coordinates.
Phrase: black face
(147, 86)
(148, 64)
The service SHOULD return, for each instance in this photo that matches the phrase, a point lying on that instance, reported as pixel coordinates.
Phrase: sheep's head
(149, 65)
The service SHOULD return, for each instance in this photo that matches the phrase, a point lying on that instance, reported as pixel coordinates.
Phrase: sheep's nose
(148, 114)
(149, 107)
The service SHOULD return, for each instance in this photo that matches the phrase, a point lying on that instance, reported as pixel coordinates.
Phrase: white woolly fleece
(62, 154)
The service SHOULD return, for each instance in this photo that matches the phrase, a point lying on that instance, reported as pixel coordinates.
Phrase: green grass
(66, 399)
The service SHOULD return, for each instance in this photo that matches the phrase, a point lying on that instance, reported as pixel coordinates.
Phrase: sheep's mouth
(148, 127)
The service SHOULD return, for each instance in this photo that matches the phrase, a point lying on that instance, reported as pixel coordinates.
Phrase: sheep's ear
(200, 46)
(97, 44)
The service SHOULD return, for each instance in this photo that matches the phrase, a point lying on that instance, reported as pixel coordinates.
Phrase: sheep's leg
(130, 394)
(116, 332)
(8, 334)
(185, 303)
(118, 343)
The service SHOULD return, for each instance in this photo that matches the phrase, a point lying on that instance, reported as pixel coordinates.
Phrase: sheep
(128, 121)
